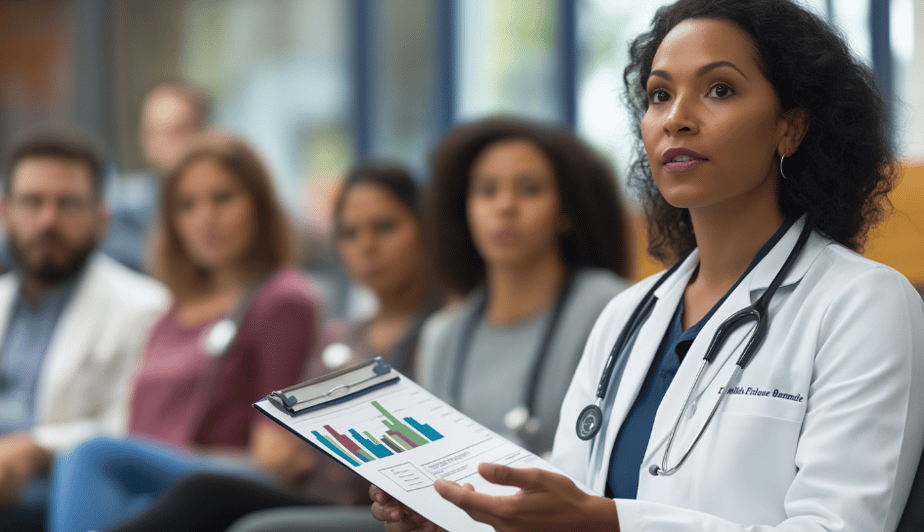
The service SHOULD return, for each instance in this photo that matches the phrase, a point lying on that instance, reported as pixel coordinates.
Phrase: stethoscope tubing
(638, 317)
(528, 405)
(663, 470)
(758, 313)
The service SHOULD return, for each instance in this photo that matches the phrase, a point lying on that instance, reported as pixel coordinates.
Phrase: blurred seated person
(379, 238)
(172, 114)
(242, 324)
(527, 223)
(72, 321)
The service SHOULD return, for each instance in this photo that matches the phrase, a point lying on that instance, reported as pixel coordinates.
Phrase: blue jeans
(105, 481)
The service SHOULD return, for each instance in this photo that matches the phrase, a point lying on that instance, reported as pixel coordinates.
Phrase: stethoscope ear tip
(654, 470)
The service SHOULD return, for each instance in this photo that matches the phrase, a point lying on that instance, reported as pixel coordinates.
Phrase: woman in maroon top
(242, 325)
(380, 241)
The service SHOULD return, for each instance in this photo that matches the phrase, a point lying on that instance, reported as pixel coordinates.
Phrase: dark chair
(309, 519)
(913, 517)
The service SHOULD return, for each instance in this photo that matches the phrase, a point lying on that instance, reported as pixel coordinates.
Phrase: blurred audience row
(125, 401)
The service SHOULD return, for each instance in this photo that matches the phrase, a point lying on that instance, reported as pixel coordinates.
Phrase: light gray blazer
(84, 381)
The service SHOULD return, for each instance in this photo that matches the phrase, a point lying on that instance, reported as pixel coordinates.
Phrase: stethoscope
(216, 342)
(520, 419)
(591, 418)
(218, 338)
(400, 356)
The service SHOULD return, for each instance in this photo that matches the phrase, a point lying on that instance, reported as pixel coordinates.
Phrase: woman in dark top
(380, 240)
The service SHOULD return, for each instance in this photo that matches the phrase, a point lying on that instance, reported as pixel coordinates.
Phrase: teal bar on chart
(424, 429)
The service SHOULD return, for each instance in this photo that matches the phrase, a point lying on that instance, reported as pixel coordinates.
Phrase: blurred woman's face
(379, 239)
(214, 216)
(513, 207)
(713, 126)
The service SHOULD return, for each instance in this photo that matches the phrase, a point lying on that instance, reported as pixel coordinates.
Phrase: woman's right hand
(398, 517)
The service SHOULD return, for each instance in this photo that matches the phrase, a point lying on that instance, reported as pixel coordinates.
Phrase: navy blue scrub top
(632, 440)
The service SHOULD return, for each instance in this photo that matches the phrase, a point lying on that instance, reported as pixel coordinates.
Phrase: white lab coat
(845, 343)
(83, 386)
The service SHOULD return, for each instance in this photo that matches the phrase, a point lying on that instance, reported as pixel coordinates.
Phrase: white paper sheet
(402, 438)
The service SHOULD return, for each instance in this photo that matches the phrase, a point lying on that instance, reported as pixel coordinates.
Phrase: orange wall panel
(899, 240)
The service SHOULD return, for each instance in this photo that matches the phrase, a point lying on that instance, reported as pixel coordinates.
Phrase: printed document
(402, 438)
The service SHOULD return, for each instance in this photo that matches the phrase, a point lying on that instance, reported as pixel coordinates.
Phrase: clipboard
(335, 388)
(385, 428)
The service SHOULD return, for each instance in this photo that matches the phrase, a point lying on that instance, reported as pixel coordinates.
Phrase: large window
(507, 58)
(279, 73)
(907, 38)
(318, 83)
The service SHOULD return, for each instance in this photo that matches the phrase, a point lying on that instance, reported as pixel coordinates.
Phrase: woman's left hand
(546, 501)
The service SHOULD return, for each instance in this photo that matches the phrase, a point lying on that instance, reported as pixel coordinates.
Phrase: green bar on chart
(400, 427)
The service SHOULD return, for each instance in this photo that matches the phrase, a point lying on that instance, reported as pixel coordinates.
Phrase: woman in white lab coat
(755, 124)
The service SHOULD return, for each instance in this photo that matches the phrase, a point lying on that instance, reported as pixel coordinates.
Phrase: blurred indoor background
(317, 85)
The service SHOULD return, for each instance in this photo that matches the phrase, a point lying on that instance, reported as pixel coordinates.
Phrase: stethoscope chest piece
(336, 355)
(219, 337)
(589, 422)
(519, 420)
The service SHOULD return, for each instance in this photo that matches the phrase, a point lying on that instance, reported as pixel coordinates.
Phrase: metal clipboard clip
(335, 388)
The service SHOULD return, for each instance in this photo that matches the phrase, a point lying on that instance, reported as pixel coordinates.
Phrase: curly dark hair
(845, 166)
(599, 233)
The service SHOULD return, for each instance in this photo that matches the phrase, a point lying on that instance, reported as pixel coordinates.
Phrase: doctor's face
(713, 126)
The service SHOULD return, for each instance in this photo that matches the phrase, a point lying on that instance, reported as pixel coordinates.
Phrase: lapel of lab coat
(71, 343)
(619, 400)
(717, 373)
(9, 285)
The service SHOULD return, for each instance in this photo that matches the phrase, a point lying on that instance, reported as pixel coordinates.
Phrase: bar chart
(358, 448)
(402, 439)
